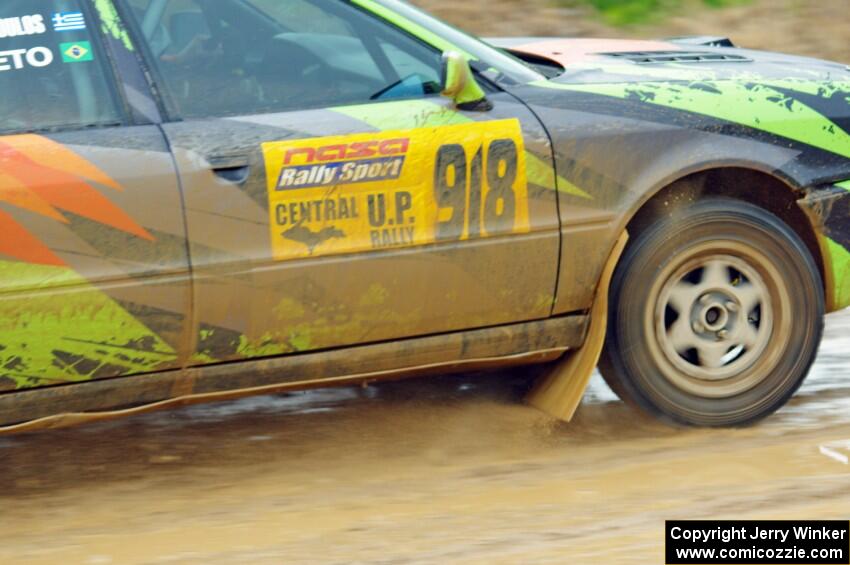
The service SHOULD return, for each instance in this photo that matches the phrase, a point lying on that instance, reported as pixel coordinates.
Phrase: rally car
(206, 198)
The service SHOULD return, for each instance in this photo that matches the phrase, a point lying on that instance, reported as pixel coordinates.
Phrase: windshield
(508, 69)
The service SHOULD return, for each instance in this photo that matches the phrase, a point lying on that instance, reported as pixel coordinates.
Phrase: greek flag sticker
(68, 21)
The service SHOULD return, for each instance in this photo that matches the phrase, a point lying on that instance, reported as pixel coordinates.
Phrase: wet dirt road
(442, 470)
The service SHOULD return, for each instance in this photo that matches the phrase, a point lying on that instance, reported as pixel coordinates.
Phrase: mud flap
(560, 390)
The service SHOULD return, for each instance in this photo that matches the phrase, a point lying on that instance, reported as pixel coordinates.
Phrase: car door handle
(234, 169)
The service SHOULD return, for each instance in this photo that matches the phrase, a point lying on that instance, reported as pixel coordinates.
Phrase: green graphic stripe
(411, 114)
(845, 185)
(541, 173)
(69, 334)
(404, 114)
(411, 27)
(112, 24)
(840, 261)
(754, 105)
(815, 88)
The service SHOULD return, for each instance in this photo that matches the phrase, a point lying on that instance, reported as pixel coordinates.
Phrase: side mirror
(460, 85)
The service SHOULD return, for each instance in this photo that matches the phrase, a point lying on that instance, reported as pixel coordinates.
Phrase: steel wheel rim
(717, 319)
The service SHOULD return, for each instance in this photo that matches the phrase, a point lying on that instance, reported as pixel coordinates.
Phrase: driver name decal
(17, 59)
(32, 24)
(371, 191)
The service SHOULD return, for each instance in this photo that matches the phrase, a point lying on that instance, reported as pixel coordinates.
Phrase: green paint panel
(404, 114)
(410, 114)
(814, 88)
(65, 330)
(112, 24)
(541, 173)
(754, 105)
(845, 185)
(840, 261)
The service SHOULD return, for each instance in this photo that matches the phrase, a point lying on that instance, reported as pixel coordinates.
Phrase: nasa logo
(343, 163)
(341, 151)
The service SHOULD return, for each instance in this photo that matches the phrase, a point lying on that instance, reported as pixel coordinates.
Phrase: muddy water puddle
(452, 469)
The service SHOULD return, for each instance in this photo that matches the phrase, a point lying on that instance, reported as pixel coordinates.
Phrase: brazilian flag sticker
(76, 52)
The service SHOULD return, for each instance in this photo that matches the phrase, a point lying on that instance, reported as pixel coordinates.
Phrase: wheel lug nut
(723, 334)
(698, 327)
(732, 306)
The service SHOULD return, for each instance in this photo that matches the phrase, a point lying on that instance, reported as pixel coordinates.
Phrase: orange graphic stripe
(18, 194)
(53, 155)
(20, 244)
(42, 176)
(68, 192)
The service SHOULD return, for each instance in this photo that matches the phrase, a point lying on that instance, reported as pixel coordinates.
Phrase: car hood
(591, 61)
(795, 98)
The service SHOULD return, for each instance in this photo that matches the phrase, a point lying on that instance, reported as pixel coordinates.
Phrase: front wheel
(716, 314)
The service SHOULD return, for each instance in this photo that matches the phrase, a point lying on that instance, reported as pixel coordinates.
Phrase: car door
(93, 261)
(332, 196)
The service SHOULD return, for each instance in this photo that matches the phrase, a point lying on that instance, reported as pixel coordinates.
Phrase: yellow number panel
(370, 191)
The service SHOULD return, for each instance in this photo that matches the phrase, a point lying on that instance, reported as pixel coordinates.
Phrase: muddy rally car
(201, 199)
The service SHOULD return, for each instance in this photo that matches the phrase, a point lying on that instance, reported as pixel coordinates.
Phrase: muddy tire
(716, 314)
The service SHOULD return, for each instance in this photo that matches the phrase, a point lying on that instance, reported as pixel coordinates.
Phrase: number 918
(459, 187)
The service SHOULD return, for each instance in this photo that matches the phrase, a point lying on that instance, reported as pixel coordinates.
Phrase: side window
(236, 57)
(51, 68)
